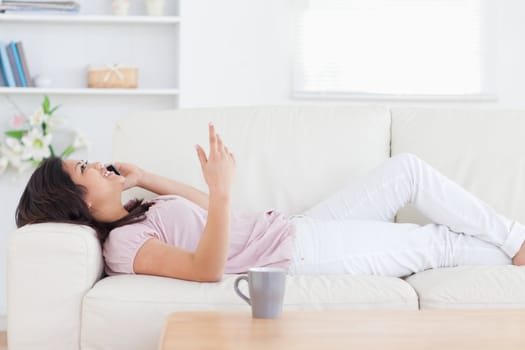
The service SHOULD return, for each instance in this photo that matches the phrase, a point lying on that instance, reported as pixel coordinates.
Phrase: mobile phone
(112, 168)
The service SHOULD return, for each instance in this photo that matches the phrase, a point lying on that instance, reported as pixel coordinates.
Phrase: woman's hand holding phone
(132, 174)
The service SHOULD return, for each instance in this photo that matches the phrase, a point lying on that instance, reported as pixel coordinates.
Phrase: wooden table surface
(370, 329)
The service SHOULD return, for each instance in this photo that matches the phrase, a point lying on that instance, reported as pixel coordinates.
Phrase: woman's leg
(405, 179)
(360, 247)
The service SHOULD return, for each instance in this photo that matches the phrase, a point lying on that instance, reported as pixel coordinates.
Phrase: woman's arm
(208, 261)
(161, 185)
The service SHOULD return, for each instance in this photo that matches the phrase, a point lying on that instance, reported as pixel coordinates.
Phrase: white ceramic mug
(266, 286)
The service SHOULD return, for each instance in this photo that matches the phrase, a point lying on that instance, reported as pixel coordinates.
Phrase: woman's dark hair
(52, 196)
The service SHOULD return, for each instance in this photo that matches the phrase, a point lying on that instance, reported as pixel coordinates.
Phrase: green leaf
(17, 134)
(54, 109)
(52, 151)
(67, 152)
(46, 104)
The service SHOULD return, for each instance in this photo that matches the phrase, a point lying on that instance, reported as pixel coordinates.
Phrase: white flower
(38, 117)
(14, 158)
(80, 141)
(53, 121)
(13, 144)
(36, 145)
(3, 164)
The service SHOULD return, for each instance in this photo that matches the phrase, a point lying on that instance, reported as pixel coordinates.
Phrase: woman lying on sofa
(187, 234)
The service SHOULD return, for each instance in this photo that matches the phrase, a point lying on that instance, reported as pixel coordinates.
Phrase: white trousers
(352, 231)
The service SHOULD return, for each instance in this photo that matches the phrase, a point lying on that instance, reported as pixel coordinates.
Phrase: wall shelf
(86, 91)
(85, 19)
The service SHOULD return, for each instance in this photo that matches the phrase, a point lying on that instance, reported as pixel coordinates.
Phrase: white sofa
(289, 158)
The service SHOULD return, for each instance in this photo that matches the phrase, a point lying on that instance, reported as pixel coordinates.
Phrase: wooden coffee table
(431, 329)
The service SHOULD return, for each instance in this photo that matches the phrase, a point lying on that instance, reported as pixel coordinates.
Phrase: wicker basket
(112, 76)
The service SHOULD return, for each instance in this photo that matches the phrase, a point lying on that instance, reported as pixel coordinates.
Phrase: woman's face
(101, 185)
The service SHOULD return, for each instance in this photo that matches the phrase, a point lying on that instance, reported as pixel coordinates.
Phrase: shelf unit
(61, 47)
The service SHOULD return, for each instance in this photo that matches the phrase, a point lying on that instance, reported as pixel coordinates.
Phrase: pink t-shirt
(255, 240)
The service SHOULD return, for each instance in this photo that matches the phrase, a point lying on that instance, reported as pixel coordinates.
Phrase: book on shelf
(12, 63)
(18, 64)
(23, 61)
(2, 79)
(38, 1)
(6, 66)
(14, 6)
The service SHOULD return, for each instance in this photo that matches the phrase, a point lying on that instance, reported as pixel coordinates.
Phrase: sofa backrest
(482, 150)
(288, 157)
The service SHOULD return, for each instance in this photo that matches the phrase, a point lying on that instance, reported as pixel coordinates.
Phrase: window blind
(392, 47)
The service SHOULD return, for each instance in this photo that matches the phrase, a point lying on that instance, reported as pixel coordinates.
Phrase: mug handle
(239, 293)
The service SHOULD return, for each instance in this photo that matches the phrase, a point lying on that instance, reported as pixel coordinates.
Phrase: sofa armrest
(50, 267)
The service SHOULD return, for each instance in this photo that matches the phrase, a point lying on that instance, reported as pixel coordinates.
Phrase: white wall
(237, 52)
(511, 53)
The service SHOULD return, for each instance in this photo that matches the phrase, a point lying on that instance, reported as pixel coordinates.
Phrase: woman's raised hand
(131, 173)
(219, 167)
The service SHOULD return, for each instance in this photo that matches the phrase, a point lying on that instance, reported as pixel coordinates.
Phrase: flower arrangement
(30, 141)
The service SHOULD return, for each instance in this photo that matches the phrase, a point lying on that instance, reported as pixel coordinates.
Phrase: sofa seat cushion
(470, 287)
(128, 311)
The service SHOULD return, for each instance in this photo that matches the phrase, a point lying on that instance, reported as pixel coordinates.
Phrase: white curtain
(393, 47)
